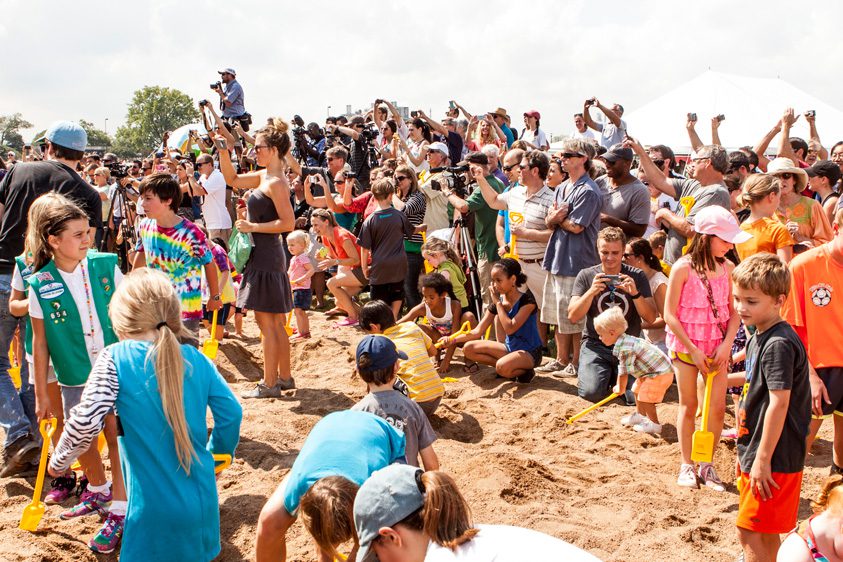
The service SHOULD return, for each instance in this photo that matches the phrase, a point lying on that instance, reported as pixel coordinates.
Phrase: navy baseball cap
(386, 498)
(824, 169)
(618, 152)
(67, 134)
(381, 351)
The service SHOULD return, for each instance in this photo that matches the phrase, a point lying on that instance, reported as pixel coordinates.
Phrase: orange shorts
(776, 515)
(652, 389)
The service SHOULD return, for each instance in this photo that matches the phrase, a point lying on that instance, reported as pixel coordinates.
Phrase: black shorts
(832, 378)
(222, 314)
(388, 292)
(302, 298)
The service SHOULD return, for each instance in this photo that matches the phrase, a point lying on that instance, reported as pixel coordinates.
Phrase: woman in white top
(639, 254)
(405, 515)
(416, 147)
(531, 133)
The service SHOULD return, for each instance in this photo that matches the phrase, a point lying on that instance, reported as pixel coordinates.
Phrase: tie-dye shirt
(181, 252)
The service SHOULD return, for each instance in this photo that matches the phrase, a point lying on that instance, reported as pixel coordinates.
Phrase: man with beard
(626, 201)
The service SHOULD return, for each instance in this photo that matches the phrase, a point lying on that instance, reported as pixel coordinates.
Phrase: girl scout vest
(26, 273)
(62, 323)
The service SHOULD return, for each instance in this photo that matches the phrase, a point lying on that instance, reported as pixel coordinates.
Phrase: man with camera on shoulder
(362, 138)
(231, 98)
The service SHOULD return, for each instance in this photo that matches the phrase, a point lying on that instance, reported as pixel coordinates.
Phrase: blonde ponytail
(146, 302)
(48, 216)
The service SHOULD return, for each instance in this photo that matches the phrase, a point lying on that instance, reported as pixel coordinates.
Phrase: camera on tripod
(369, 133)
(453, 178)
(118, 171)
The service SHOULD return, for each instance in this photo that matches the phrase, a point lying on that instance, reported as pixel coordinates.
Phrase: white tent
(751, 106)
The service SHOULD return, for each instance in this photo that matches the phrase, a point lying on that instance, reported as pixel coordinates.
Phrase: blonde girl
(69, 292)
(300, 272)
(761, 193)
(162, 390)
(444, 259)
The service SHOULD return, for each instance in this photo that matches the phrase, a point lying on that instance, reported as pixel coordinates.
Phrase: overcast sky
(68, 60)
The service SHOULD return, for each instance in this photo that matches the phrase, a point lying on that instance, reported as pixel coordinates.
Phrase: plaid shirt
(640, 358)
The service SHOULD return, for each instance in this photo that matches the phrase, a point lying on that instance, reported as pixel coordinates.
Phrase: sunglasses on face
(508, 168)
(658, 162)
(331, 159)
(571, 155)
(786, 176)
(400, 178)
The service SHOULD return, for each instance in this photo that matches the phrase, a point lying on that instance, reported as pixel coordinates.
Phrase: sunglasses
(331, 159)
(627, 256)
(658, 162)
(508, 168)
(786, 176)
(400, 178)
(572, 155)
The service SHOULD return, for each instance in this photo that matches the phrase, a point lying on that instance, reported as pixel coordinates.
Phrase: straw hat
(786, 166)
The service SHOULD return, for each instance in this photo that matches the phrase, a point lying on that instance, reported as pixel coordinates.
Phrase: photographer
(231, 97)
(358, 150)
(613, 130)
(336, 158)
(436, 214)
(484, 220)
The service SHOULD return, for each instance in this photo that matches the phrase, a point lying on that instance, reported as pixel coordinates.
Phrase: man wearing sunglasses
(335, 160)
(705, 189)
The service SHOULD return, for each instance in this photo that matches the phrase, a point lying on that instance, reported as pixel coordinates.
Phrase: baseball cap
(387, 497)
(67, 134)
(720, 222)
(439, 147)
(477, 158)
(109, 157)
(381, 351)
(824, 169)
(227, 71)
(618, 152)
(533, 113)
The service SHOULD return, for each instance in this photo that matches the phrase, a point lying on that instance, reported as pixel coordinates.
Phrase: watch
(215, 297)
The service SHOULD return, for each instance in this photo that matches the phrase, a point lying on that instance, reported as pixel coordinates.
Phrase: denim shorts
(302, 298)
(70, 397)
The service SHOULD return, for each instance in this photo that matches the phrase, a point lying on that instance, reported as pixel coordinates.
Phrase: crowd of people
(608, 261)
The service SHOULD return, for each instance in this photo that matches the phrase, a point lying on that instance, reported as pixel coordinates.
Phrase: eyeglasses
(658, 162)
(508, 168)
(572, 155)
(786, 176)
(400, 178)
(259, 147)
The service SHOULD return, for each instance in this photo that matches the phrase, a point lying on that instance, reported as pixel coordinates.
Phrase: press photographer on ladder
(231, 98)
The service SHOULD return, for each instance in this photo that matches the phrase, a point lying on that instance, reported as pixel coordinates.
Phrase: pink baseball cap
(720, 222)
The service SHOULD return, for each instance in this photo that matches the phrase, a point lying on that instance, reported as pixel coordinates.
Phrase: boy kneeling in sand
(651, 368)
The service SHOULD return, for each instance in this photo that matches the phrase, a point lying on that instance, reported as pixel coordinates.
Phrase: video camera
(118, 171)
(453, 178)
(370, 133)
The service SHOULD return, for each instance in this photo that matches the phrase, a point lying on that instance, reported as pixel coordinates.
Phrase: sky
(65, 60)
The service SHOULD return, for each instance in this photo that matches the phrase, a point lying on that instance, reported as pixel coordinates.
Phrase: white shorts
(51, 373)
(535, 280)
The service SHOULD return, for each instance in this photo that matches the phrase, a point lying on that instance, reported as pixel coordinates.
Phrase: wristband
(635, 296)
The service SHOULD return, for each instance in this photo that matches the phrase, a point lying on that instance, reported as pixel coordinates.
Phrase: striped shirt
(640, 358)
(418, 371)
(534, 209)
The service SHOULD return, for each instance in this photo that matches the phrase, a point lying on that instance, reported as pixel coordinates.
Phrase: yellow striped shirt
(418, 372)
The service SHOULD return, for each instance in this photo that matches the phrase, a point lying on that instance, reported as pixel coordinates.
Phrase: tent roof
(751, 106)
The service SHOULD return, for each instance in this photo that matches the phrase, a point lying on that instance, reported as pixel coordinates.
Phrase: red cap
(533, 113)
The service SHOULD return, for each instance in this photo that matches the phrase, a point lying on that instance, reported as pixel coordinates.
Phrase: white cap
(439, 146)
(227, 71)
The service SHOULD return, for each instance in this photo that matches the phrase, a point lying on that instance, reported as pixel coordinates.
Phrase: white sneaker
(632, 419)
(687, 476)
(569, 371)
(552, 367)
(648, 426)
(709, 477)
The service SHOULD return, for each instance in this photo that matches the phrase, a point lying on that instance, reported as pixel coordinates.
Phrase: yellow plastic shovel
(288, 327)
(464, 329)
(514, 219)
(427, 267)
(591, 408)
(211, 345)
(224, 460)
(35, 510)
(14, 366)
(702, 444)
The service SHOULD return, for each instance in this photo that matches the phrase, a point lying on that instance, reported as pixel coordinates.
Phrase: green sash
(25, 272)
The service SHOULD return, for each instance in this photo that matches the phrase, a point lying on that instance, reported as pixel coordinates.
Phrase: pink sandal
(348, 322)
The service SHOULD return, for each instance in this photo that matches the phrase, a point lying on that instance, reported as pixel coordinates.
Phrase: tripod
(125, 233)
(462, 242)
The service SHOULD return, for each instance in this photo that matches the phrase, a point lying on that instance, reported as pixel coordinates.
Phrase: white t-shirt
(214, 210)
(75, 284)
(501, 543)
(656, 335)
(663, 200)
(587, 135)
(536, 137)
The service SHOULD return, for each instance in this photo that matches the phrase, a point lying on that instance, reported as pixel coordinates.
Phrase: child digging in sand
(650, 367)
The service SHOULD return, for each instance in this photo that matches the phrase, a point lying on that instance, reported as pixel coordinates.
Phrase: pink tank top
(694, 312)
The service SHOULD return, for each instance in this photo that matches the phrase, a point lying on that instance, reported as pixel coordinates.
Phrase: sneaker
(551, 367)
(18, 456)
(526, 377)
(687, 477)
(300, 337)
(89, 502)
(262, 391)
(61, 488)
(632, 419)
(648, 426)
(730, 434)
(286, 385)
(108, 537)
(709, 477)
(569, 371)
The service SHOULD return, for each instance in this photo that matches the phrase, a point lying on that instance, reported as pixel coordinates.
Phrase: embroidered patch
(44, 276)
(56, 305)
(51, 290)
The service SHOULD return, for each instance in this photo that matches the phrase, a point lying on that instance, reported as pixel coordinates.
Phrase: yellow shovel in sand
(35, 510)
(288, 327)
(514, 219)
(14, 366)
(464, 329)
(702, 444)
(211, 345)
(591, 408)
(224, 460)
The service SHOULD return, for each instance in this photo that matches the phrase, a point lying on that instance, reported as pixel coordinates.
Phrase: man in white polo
(217, 219)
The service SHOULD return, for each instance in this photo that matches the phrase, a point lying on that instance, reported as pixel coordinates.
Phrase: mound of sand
(602, 487)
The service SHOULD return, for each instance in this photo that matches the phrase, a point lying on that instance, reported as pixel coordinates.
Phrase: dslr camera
(117, 170)
(216, 85)
(453, 178)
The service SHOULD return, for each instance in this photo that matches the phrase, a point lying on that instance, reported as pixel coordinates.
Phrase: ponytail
(830, 497)
(327, 510)
(644, 250)
(169, 370)
(446, 516)
(442, 247)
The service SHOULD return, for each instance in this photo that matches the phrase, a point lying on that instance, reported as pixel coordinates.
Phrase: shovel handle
(707, 399)
(591, 408)
(47, 427)
(224, 460)
(464, 329)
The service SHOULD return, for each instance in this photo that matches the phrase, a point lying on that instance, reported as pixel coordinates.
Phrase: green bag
(239, 249)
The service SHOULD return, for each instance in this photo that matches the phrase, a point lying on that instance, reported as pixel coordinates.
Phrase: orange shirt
(814, 306)
(810, 218)
(768, 235)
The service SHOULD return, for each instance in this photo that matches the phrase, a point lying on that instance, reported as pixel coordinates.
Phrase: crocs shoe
(108, 537)
(89, 502)
(347, 323)
(61, 488)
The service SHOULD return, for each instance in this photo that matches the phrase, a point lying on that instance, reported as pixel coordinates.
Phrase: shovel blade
(702, 446)
(32, 516)
(209, 348)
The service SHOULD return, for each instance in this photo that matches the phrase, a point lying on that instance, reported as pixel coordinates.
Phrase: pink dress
(695, 313)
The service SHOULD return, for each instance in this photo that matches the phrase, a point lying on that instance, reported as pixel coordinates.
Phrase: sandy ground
(602, 487)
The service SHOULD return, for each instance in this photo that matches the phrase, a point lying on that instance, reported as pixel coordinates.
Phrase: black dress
(265, 286)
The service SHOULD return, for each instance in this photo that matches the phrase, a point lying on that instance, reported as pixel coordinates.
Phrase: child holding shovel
(701, 326)
(162, 390)
(774, 412)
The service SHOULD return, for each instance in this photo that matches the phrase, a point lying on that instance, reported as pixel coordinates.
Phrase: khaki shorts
(652, 389)
(484, 272)
(554, 309)
(535, 280)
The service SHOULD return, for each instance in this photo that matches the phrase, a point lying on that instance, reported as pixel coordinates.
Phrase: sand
(596, 484)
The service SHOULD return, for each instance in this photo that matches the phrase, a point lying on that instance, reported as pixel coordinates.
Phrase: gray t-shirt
(568, 253)
(698, 197)
(611, 135)
(383, 233)
(402, 414)
(630, 202)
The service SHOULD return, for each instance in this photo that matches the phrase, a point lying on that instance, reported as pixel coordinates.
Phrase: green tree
(96, 137)
(10, 126)
(153, 111)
